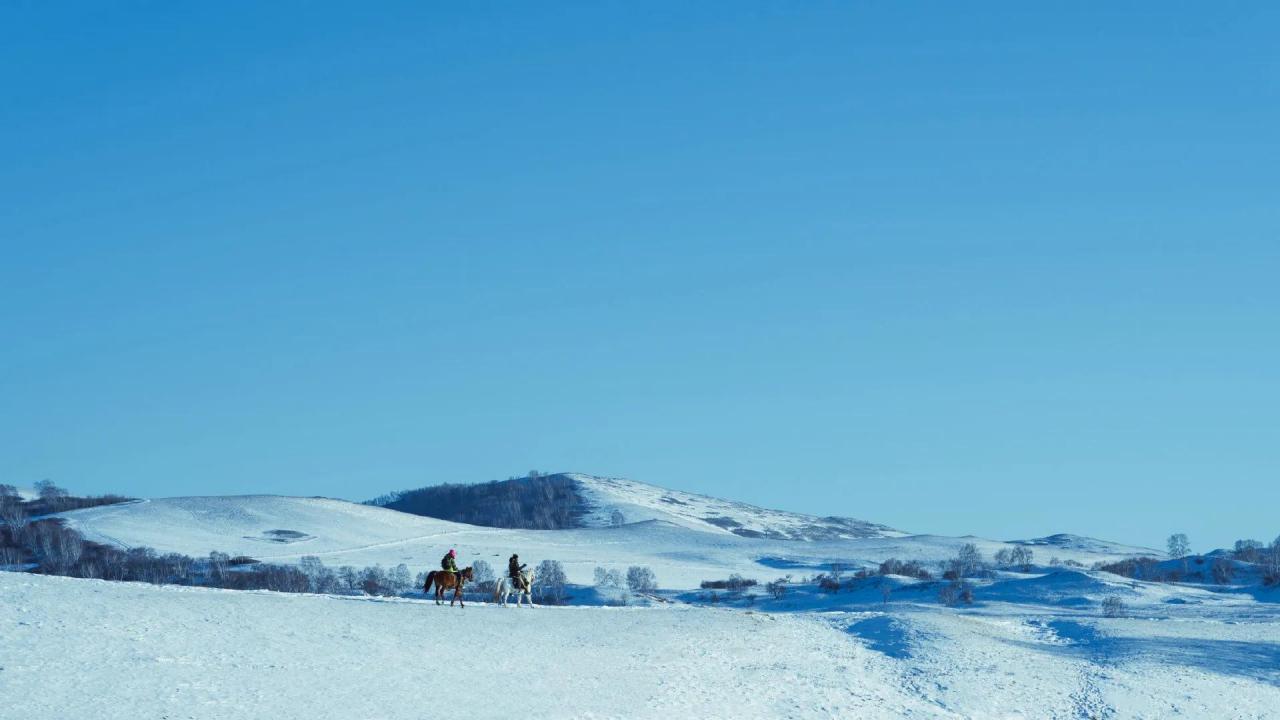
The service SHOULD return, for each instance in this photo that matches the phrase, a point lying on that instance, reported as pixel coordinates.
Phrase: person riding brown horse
(443, 580)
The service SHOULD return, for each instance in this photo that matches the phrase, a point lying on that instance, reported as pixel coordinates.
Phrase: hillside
(683, 551)
(575, 500)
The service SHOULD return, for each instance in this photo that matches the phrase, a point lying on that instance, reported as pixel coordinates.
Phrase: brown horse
(445, 580)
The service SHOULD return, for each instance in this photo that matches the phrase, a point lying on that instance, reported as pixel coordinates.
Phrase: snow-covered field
(85, 648)
(1033, 645)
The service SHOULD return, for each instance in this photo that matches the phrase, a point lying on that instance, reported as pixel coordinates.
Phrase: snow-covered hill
(640, 501)
(683, 551)
(114, 651)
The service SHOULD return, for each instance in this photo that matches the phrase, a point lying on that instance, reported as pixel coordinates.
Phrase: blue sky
(1005, 269)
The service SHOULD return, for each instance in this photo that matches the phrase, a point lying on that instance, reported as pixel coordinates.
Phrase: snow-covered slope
(114, 651)
(284, 529)
(1078, 543)
(640, 501)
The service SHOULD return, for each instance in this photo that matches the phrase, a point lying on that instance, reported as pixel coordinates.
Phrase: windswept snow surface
(284, 529)
(641, 501)
(85, 648)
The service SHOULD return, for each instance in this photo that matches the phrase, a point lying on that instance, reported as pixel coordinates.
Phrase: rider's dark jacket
(448, 565)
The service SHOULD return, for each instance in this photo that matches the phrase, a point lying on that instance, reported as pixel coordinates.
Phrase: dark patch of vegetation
(909, 568)
(51, 499)
(727, 523)
(1140, 568)
(538, 502)
(735, 583)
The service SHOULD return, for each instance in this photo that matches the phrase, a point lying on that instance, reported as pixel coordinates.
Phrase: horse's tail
(426, 587)
(498, 587)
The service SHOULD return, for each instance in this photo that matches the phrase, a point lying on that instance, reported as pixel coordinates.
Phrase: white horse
(505, 587)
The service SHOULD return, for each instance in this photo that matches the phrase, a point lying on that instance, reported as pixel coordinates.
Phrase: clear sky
(995, 268)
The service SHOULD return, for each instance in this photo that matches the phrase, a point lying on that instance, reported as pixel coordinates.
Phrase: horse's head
(466, 573)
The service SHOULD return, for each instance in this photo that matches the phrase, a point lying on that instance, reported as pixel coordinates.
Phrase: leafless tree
(1021, 556)
(10, 556)
(967, 562)
(1113, 606)
(57, 548)
(484, 577)
(778, 588)
(12, 516)
(1223, 570)
(218, 563)
(1178, 545)
(617, 519)
(640, 579)
(551, 584)
(607, 578)
(956, 592)
(373, 580)
(400, 579)
(349, 579)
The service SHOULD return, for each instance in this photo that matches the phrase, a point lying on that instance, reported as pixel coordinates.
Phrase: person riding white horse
(519, 580)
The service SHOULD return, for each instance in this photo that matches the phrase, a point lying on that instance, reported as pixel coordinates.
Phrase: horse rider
(514, 568)
(449, 562)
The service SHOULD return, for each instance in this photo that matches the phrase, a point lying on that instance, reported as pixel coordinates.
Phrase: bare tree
(9, 492)
(1113, 606)
(551, 582)
(1223, 570)
(218, 564)
(349, 579)
(607, 578)
(640, 579)
(1021, 556)
(1249, 551)
(400, 580)
(778, 587)
(886, 590)
(484, 577)
(1178, 545)
(968, 561)
(617, 519)
(12, 516)
(837, 572)
(373, 580)
(956, 592)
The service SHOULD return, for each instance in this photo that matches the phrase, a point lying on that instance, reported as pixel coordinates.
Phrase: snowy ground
(343, 533)
(83, 648)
